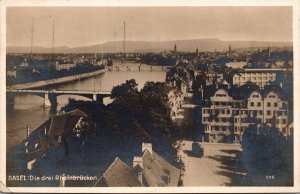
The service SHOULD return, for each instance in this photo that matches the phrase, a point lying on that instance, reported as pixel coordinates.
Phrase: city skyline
(84, 26)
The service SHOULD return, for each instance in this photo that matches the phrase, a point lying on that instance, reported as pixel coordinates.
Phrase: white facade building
(260, 77)
(226, 119)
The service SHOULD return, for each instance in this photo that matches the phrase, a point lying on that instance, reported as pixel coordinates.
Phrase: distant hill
(155, 46)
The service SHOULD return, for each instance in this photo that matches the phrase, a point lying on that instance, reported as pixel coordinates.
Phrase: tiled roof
(158, 172)
(58, 125)
(62, 123)
(118, 174)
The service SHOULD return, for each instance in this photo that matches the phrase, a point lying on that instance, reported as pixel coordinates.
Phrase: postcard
(133, 96)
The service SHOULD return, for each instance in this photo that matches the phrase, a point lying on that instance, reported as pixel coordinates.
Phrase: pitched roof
(118, 174)
(62, 123)
(158, 172)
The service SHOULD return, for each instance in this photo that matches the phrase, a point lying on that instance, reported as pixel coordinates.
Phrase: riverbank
(57, 81)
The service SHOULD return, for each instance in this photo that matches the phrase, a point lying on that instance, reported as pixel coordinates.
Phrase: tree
(267, 152)
(127, 88)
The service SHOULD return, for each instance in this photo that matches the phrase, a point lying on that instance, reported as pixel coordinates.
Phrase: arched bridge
(50, 96)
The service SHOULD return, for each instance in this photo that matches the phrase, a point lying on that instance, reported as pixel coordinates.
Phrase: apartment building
(175, 100)
(226, 118)
(260, 77)
(213, 76)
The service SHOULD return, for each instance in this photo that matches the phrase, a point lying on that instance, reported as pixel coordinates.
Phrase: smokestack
(138, 168)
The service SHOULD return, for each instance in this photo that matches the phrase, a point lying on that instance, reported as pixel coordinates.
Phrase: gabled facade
(227, 118)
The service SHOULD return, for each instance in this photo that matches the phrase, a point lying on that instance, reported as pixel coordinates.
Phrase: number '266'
(269, 177)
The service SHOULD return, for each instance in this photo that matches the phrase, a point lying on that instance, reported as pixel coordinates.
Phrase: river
(28, 109)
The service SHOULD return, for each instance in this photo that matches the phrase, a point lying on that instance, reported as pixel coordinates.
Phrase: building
(50, 134)
(260, 77)
(118, 174)
(226, 118)
(236, 65)
(213, 76)
(175, 101)
(11, 73)
(149, 170)
(64, 66)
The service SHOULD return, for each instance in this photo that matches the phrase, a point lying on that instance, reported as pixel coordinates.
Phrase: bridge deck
(60, 91)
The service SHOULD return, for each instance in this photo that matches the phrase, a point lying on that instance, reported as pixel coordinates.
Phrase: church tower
(175, 48)
(229, 49)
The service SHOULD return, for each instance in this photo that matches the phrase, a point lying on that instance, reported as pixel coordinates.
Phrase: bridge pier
(49, 100)
(97, 98)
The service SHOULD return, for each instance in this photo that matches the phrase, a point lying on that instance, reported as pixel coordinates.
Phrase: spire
(175, 48)
(229, 49)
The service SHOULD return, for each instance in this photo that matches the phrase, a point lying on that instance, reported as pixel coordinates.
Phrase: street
(218, 166)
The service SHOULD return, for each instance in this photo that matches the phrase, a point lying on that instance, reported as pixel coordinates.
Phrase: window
(255, 96)
(283, 121)
(228, 111)
(275, 104)
(252, 104)
(268, 112)
(259, 104)
(268, 104)
(272, 96)
(269, 120)
(284, 105)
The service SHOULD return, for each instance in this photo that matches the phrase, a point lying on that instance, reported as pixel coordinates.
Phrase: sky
(83, 26)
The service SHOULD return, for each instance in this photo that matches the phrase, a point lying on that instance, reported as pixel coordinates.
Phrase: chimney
(147, 146)
(138, 168)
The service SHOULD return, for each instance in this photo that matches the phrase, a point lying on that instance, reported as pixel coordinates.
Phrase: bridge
(50, 96)
(136, 67)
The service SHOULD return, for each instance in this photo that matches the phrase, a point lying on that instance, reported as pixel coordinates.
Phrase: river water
(28, 109)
